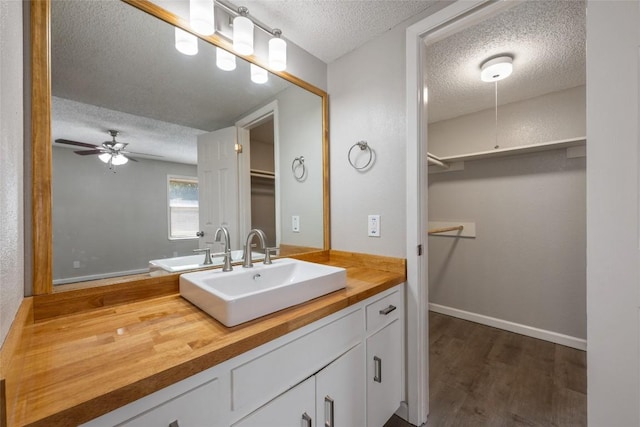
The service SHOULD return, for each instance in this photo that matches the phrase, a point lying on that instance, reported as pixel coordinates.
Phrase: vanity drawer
(383, 311)
(260, 379)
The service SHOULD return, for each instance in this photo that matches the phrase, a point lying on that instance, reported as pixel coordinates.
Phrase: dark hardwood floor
(482, 376)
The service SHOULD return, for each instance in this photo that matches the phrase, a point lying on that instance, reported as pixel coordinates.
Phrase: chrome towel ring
(363, 145)
(298, 168)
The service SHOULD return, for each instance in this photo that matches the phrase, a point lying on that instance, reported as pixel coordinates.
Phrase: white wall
(111, 222)
(613, 259)
(527, 262)
(550, 117)
(11, 157)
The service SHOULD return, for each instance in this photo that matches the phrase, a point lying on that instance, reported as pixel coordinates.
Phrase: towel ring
(363, 145)
(298, 163)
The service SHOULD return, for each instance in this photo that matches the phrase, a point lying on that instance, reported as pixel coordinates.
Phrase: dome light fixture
(496, 69)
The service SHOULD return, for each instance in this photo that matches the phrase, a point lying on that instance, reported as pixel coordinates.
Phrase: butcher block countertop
(68, 369)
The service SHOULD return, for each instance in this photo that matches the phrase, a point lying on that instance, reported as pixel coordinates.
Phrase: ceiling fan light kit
(202, 21)
(112, 152)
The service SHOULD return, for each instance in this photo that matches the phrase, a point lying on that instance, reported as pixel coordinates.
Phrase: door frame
(244, 165)
(450, 19)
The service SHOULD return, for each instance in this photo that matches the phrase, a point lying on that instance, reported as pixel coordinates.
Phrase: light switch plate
(374, 226)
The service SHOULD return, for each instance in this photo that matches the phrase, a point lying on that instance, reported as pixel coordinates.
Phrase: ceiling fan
(111, 152)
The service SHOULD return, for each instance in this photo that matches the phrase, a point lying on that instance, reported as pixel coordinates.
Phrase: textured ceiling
(545, 38)
(330, 28)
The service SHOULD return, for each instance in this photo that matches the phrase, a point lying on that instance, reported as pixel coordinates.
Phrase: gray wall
(11, 157)
(300, 135)
(134, 199)
(527, 263)
(550, 117)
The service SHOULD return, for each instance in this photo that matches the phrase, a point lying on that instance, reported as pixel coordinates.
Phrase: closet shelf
(262, 174)
(512, 151)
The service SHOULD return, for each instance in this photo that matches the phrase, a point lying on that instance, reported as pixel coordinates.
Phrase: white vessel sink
(237, 296)
(192, 262)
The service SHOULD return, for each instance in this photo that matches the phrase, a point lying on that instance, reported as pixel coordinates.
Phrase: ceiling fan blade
(130, 158)
(141, 154)
(80, 144)
(87, 152)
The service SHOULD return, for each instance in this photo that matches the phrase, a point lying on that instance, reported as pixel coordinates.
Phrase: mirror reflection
(154, 147)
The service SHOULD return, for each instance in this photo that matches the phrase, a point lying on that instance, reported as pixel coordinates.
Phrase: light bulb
(496, 69)
(277, 52)
(258, 75)
(118, 160)
(243, 33)
(225, 60)
(201, 16)
(186, 42)
(105, 157)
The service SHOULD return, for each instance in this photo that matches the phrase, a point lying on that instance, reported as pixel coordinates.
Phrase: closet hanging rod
(434, 161)
(446, 229)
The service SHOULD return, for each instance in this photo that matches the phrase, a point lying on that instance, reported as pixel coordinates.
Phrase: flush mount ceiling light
(496, 69)
(201, 16)
(186, 42)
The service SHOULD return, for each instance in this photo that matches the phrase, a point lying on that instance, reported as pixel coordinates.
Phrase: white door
(294, 408)
(340, 391)
(218, 185)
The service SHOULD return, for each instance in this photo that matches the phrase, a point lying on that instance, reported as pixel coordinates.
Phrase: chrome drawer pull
(377, 369)
(388, 310)
(328, 412)
(306, 420)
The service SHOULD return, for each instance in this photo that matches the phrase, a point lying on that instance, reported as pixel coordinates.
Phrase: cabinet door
(340, 391)
(384, 370)
(294, 408)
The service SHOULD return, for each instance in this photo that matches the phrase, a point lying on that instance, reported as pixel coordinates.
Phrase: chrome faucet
(227, 247)
(207, 255)
(248, 263)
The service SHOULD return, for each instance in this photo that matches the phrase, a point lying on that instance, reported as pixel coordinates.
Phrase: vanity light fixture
(186, 42)
(277, 51)
(258, 74)
(225, 60)
(201, 16)
(496, 69)
(243, 32)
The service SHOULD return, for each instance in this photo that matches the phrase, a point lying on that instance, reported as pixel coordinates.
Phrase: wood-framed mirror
(48, 109)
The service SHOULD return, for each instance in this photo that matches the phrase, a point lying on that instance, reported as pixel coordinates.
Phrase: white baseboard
(554, 337)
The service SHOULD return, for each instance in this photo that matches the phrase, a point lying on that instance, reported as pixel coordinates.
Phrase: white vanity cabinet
(344, 370)
(332, 397)
(384, 358)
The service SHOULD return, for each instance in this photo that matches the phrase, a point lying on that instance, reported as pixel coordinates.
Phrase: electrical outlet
(295, 223)
(76, 264)
(374, 225)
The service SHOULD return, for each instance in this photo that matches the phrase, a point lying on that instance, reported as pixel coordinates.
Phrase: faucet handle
(227, 259)
(267, 254)
(207, 255)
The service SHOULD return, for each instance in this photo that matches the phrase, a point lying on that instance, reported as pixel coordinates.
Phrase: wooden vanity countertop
(77, 367)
